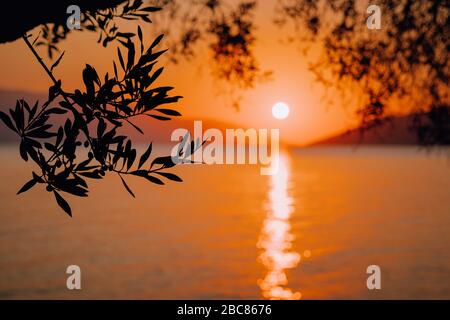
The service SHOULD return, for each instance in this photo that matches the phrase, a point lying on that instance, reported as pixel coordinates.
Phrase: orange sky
(310, 118)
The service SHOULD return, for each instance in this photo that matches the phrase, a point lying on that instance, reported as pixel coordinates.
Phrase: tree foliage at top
(228, 30)
(101, 21)
(406, 58)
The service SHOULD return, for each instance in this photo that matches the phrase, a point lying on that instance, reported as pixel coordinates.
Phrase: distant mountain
(395, 131)
(8, 97)
(161, 131)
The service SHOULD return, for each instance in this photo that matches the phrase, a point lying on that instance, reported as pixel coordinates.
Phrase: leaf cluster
(102, 21)
(89, 144)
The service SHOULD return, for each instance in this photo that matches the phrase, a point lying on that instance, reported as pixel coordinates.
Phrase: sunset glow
(215, 154)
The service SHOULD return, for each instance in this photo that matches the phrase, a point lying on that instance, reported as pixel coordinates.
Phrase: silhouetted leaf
(145, 156)
(140, 38)
(53, 91)
(140, 173)
(154, 180)
(63, 203)
(59, 136)
(156, 41)
(169, 112)
(69, 187)
(136, 127)
(41, 132)
(166, 162)
(131, 54)
(26, 105)
(122, 64)
(170, 176)
(126, 186)
(161, 118)
(33, 143)
(151, 9)
(55, 111)
(37, 178)
(83, 165)
(154, 56)
(55, 64)
(27, 186)
(92, 175)
(155, 75)
(34, 109)
(101, 127)
(17, 117)
(23, 150)
(89, 77)
(115, 70)
(20, 116)
(130, 159)
(26, 148)
(6, 120)
(183, 142)
(126, 35)
(50, 147)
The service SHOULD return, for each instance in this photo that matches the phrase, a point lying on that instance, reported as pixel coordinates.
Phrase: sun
(280, 110)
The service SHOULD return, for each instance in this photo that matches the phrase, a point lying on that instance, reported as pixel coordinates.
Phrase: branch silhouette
(89, 144)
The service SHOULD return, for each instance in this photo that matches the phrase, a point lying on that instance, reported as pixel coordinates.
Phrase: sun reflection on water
(276, 239)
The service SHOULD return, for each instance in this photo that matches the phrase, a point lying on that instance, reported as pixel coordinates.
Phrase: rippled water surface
(309, 232)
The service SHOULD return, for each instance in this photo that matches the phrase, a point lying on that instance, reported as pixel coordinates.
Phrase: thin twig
(52, 77)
